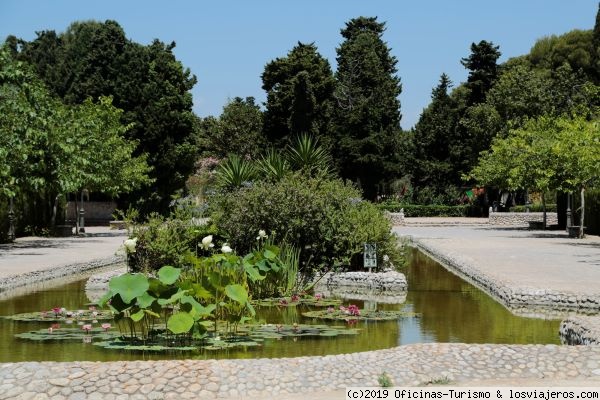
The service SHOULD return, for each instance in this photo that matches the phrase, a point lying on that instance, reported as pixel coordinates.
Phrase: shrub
(166, 241)
(324, 218)
(535, 207)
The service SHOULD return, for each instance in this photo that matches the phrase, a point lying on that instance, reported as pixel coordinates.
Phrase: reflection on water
(451, 311)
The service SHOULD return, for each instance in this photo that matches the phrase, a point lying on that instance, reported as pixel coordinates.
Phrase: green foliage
(92, 59)
(483, 69)
(536, 207)
(384, 380)
(238, 130)
(415, 210)
(574, 48)
(299, 96)
(129, 286)
(235, 171)
(166, 241)
(323, 218)
(367, 112)
(58, 149)
(308, 157)
(273, 165)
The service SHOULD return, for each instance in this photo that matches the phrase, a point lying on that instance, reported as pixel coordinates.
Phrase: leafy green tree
(596, 45)
(483, 69)
(433, 137)
(299, 96)
(367, 113)
(578, 156)
(545, 154)
(52, 149)
(238, 130)
(92, 59)
(575, 48)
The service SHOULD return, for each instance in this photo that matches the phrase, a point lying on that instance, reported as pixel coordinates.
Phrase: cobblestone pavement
(409, 365)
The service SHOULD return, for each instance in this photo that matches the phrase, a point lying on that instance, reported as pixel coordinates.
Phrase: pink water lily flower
(56, 310)
(87, 328)
(106, 326)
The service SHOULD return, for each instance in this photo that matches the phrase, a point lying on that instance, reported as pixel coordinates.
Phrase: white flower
(130, 245)
(261, 234)
(207, 242)
(226, 248)
(386, 258)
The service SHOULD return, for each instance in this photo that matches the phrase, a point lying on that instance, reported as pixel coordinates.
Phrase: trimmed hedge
(534, 208)
(414, 210)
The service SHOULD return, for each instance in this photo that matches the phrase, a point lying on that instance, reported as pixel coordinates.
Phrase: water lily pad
(364, 315)
(290, 301)
(69, 334)
(49, 316)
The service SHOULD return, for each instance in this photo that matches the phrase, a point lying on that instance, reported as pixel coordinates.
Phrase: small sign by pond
(370, 255)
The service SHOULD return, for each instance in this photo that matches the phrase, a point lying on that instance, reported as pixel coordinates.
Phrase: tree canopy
(367, 112)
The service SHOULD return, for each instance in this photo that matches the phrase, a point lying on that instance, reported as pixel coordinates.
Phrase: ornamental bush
(324, 218)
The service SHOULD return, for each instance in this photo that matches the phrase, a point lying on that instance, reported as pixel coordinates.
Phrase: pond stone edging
(389, 281)
(580, 330)
(13, 282)
(510, 295)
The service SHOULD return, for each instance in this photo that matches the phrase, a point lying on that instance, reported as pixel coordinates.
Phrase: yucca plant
(273, 166)
(308, 156)
(235, 171)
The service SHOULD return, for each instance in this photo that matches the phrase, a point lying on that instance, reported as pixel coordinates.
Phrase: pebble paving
(409, 365)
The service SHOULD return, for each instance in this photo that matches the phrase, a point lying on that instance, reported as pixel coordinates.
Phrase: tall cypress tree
(367, 113)
(299, 95)
(596, 44)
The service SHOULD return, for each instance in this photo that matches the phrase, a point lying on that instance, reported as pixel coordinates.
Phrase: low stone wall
(521, 219)
(380, 281)
(97, 284)
(95, 211)
(576, 330)
(13, 282)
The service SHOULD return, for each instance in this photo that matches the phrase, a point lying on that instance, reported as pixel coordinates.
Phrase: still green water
(451, 310)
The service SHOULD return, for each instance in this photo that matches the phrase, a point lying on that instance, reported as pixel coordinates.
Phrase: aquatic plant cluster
(208, 303)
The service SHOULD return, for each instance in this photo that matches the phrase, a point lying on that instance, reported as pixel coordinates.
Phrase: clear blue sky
(226, 44)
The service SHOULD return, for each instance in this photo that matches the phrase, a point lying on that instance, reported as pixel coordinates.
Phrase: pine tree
(483, 69)
(367, 113)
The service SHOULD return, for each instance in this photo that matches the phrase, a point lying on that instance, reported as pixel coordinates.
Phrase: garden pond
(439, 307)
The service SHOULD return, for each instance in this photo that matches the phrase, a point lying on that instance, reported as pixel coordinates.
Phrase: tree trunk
(54, 211)
(544, 210)
(582, 219)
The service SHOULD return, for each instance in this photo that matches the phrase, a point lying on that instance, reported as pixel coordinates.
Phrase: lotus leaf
(137, 316)
(129, 286)
(168, 274)
(181, 322)
(237, 293)
(145, 300)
